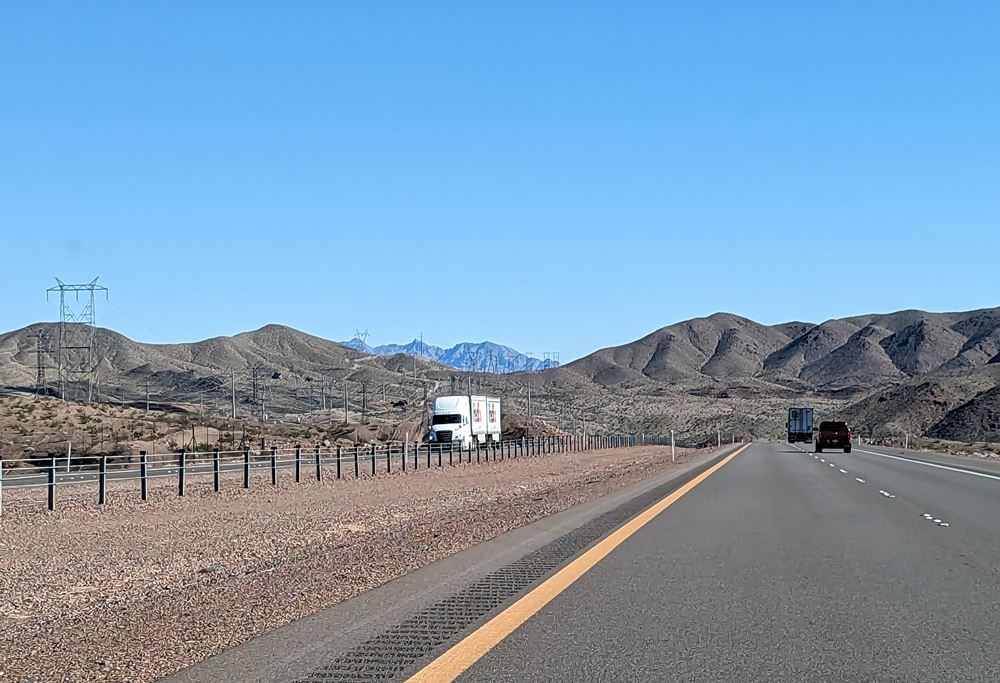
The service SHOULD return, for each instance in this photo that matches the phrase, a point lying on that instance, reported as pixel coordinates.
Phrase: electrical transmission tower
(75, 354)
(41, 348)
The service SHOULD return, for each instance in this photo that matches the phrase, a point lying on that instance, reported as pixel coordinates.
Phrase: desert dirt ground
(135, 591)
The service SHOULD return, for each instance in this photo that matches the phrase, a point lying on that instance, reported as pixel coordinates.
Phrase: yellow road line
(467, 652)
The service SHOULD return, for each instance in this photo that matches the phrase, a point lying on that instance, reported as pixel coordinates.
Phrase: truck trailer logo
(493, 413)
(477, 414)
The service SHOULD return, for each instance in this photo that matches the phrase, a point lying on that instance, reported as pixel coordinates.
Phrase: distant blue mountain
(482, 357)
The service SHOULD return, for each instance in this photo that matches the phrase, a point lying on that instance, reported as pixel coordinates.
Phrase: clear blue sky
(553, 176)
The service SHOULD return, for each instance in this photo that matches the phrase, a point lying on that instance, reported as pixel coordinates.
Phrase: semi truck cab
(466, 420)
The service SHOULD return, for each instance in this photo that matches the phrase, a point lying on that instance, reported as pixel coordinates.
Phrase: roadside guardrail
(266, 465)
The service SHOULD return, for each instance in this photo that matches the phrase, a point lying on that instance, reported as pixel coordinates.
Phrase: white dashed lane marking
(932, 518)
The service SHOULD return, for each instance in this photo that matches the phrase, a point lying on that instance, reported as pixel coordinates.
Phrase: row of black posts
(498, 450)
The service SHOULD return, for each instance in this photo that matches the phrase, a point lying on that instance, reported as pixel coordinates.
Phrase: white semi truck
(465, 420)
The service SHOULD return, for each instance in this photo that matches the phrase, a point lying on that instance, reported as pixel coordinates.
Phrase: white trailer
(466, 420)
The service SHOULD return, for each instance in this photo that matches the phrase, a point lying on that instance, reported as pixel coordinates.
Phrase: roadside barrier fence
(269, 465)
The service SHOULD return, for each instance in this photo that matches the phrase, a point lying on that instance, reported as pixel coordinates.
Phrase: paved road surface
(783, 566)
(780, 566)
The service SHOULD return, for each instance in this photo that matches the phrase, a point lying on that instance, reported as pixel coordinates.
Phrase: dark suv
(833, 435)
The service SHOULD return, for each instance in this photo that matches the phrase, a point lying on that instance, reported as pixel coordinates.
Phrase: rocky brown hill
(978, 418)
(282, 362)
(909, 371)
(870, 351)
(721, 346)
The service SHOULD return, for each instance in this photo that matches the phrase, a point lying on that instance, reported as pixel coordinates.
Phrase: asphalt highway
(766, 563)
(785, 565)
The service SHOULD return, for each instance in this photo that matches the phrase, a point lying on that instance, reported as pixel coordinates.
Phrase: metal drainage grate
(396, 649)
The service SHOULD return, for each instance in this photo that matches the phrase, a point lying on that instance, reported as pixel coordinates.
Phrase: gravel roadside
(138, 590)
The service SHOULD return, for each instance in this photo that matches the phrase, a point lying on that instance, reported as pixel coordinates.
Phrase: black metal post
(298, 463)
(246, 468)
(388, 458)
(216, 484)
(102, 480)
(338, 462)
(356, 464)
(319, 464)
(440, 451)
(181, 466)
(374, 451)
(52, 483)
(451, 453)
(274, 466)
(143, 476)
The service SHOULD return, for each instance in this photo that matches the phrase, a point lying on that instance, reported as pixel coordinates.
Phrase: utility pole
(529, 397)
(345, 401)
(673, 455)
(233, 393)
(147, 393)
(364, 403)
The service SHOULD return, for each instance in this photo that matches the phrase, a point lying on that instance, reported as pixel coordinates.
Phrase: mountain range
(471, 357)
(926, 373)
(857, 353)
(931, 373)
